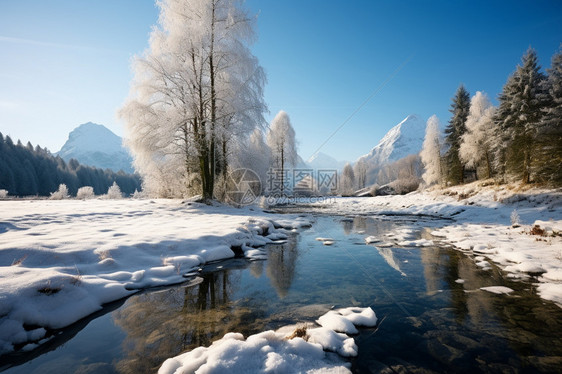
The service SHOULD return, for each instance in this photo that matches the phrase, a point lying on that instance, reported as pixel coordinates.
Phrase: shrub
(114, 192)
(61, 193)
(515, 218)
(3, 194)
(85, 192)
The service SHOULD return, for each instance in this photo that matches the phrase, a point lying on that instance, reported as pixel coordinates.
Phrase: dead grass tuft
(300, 332)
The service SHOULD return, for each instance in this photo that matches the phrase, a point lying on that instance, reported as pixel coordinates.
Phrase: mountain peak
(321, 160)
(403, 139)
(95, 145)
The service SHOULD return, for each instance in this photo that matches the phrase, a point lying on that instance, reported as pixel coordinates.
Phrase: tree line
(519, 140)
(33, 171)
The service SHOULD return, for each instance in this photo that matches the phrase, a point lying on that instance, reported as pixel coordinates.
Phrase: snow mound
(275, 352)
(344, 320)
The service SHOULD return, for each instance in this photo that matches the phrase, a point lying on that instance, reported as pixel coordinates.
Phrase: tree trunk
(282, 170)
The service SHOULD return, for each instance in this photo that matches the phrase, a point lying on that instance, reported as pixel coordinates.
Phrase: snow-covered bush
(139, 194)
(85, 192)
(114, 192)
(61, 193)
(3, 194)
(515, 218)
(405, 185)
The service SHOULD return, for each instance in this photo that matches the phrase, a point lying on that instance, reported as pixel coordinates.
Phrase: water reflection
(281, 262)
(431, 322)
(161, 324)
(460, 327)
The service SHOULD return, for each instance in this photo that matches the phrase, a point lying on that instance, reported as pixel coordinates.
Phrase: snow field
(279, 351)
(63, 260)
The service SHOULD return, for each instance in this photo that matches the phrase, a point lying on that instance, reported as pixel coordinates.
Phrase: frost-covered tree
(86, 192)
(114, 192)
(518, 118)
(548, 155)
(61, 193)
(360, 171)
(431, 152)
(347, 181)
(255, 155)
(454, 131)
(476, 143)
(197, 89)
(281, 141)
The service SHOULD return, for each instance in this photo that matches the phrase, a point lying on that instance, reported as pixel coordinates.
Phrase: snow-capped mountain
(95, 145)
(323, 161)
(402, 140)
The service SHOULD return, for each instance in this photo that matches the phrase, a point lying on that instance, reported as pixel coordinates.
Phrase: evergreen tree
(518, 117)
(548, 155)
(454, 131)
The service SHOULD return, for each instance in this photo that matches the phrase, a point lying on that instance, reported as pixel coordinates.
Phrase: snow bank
(277, 352)
(479, 222)
(63, 260)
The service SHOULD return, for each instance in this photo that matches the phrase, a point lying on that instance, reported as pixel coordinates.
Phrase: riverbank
(62, 260)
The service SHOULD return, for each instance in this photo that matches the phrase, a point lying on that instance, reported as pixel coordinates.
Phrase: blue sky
(66, 62)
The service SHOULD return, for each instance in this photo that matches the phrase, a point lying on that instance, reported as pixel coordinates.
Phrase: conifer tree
(548, 155)
(454, 131)
(518, 117)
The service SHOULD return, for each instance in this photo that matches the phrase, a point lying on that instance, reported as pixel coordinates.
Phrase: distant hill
(323, 161)
(95, 145)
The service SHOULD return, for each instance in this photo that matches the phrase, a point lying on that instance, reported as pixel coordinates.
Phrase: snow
(371, 239)
(497, 289)
(277, 351)
(345, 320)
(404, 139)
(95, 145)
(476, 219)
(63, 260)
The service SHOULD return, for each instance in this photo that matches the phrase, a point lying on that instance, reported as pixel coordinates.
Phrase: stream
(433, 317)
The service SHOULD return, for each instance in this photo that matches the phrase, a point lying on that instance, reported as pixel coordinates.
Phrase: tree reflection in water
(163, 324)
(281, 262)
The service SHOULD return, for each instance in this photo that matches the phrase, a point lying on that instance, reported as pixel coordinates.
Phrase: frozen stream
(434, 316)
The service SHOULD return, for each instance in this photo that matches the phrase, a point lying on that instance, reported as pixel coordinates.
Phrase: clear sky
(66, 62)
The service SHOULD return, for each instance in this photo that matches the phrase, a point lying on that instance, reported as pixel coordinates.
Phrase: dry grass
(300, 332)
(18, 262)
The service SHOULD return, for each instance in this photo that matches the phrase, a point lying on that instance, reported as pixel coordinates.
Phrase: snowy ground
(481, 224)
(291, 349)
(62, 260)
